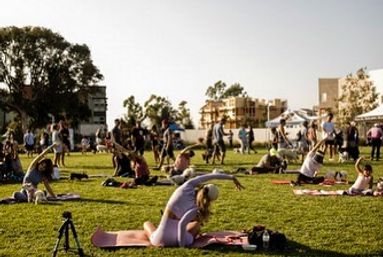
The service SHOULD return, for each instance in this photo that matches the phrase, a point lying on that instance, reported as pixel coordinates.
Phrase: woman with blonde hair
(185, 212)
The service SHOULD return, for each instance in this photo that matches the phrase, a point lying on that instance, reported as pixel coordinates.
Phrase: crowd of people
(189, 206)
(341, 141)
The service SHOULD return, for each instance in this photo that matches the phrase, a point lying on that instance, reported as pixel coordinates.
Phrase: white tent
(374, 115)
(293, 118)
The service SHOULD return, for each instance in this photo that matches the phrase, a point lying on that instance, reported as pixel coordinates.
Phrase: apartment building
(330, 89)
(97, 103)
(241, 110)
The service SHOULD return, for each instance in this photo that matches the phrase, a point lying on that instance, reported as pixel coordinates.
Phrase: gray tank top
(34, 177)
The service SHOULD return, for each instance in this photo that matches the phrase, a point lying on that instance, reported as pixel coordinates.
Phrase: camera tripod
(64, 229)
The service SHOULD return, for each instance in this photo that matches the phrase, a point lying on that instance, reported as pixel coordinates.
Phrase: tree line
(42, 73)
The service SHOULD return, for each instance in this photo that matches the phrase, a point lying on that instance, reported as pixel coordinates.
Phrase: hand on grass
(237, 184)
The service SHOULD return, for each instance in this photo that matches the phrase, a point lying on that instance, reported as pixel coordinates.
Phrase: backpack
(277, 241)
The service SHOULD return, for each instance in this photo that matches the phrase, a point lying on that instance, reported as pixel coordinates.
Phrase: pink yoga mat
(281, 182)
(317, 192)
(137, 238)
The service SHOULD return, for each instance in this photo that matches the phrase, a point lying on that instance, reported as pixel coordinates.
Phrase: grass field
(314, 226)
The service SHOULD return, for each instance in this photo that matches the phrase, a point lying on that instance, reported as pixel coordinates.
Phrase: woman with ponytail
(187, 209)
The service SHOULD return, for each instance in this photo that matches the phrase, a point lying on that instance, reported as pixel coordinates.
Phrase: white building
(377, 77)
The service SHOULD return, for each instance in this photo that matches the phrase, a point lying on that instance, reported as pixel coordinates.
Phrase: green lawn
(314, 226)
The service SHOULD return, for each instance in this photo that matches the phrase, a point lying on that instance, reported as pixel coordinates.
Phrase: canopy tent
(175, 127)
(293, 118)
(374, 115)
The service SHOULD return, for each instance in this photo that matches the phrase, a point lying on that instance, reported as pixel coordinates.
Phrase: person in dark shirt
(123, 164)
(116, 132)
(138, 138)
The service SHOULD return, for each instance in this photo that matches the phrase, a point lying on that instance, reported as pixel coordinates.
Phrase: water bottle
(265, 239)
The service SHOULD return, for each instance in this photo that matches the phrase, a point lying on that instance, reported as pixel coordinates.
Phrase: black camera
(67, 215)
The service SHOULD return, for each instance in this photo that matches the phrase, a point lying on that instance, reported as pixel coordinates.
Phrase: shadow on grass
(102, 201)
(293, 249)
(89, 167)
(298, 249)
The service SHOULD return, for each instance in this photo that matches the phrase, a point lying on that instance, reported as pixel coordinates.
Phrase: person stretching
(364, 181)
(140, 167)
(182, 160)
(311, 165)
(185, 212)
(40, 170)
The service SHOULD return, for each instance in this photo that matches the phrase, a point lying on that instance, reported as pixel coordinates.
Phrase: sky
(178, 48)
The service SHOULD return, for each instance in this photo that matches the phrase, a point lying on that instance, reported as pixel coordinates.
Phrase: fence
(261, 135)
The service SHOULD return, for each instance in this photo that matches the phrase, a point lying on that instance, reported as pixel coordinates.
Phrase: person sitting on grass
(140, 167)
(310, 167)
(182, 161)
(123, 165)
(40, 170)
(85, 144)
(186, 211)
(270, 162)
(364, 181)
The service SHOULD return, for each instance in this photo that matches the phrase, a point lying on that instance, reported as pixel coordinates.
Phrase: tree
(219, 91)
(216, 91)
(234, 91)
(134, 111)
(358, 96)
(43, 73)
(158, 108)
(183, 116)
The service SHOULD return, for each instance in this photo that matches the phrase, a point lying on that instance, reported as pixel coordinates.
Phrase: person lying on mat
(364, 181)
(311, 165)
(40, 170)
(187, 209)
(140, 167)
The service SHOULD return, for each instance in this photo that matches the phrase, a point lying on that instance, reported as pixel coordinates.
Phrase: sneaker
(106, 182)
(294, 183)
(153, 180)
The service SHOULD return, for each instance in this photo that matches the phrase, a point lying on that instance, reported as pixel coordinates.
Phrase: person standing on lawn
(219, 144)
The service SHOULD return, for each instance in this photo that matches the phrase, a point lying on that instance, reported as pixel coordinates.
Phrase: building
(97, 103)
(377, 77)
(330, 89)
(241, 110)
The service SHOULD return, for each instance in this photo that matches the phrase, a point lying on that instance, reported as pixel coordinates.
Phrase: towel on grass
(326, 182)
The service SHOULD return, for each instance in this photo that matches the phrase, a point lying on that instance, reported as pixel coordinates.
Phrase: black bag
(277, 240)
